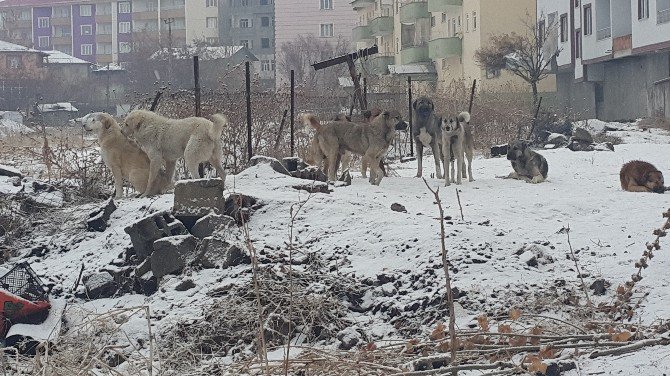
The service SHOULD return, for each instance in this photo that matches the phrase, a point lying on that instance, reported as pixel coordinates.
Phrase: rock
(98, 219)
(599, 287)
(196, 198)
(345, 177)
(10, 171)
(238, 206)
(348, 338)
(216, 252)
(146, 284)
(388, 289)
(184, 285)
(534, 255)
(274, 163)
(604, 146)
(313, 188)
(293, 164)
(146, 231)
(580, 146)
(407, 159)
(582, 135)
(499, 150)
(144, 267)
(310, 173)
(100, 285)
(172, 254)
(398, 208)
(211, 223)
(557, 139)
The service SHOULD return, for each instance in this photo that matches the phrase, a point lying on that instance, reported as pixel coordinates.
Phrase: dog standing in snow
(457, 143)
(639, 176)
(527, 164)
(426, 132)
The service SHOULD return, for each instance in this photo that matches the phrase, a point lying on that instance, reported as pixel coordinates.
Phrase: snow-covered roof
(108, 67)
(61, 106)
(11, 47)
(204, 53)
(58, 57)
(412, 69)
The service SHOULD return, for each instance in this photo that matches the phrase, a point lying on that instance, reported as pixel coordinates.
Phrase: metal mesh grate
(23, 281)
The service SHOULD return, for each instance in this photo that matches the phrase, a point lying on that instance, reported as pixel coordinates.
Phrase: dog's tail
(220, 122)
(464, 117)
(310, 120)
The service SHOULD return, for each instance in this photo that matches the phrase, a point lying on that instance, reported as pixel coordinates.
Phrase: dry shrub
(655, 122)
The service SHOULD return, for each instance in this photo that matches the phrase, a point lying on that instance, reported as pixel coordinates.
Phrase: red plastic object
(14, 309)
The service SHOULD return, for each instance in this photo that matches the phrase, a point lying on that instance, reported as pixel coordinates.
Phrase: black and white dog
(426, 132)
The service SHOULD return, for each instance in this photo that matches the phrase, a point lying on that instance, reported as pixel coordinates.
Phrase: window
(578, 44)
(432, 21)
(13, 62)
(588, 20)
(564, 28)
(124, 27)
(211, 3)
(244, 3)
(43, 42)
(125, 47)
(265, 21)
(65, 48)
(326, 30)
(212, 41)
(245, 23)
(61, 12)
(265, 42)
(492, 73)
(25, 15)
(265, 65)
(104, 9)
(474, 21)
(86, 49)
(576, 3)
(212, 22)
(124, 7)
(467, 22)
(541, 28)
(103, 49)
(43, 22)
(453, 27)
(327, 4)
(62, 31)
(103, 29)
(267, 2)
(86, 29)
(85, 10)
(642, 9)
(246, 43)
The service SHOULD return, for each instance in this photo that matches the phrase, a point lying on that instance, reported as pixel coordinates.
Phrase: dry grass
(656, 122)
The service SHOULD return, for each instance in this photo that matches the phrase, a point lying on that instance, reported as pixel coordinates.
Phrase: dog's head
(370, 115)
(133, 122)
(654, 181)
(450, 124)
(423, 106)
(516, 150)
(97, 121)
(392, 119)
(342, 117)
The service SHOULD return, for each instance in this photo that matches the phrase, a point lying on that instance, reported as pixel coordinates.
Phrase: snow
(58, 57)
(60, 106)
(10, 127)
(505, 223)
(49, 329)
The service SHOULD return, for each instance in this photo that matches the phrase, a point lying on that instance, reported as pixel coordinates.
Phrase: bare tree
(301, 53)
(527, 56)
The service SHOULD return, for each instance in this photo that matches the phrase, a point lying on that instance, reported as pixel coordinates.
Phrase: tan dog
(639, 176)
(166, 140)
(122, 156)
(457, 143)
(371, 141)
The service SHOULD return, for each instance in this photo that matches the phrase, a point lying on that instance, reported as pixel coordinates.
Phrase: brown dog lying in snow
(640, 176)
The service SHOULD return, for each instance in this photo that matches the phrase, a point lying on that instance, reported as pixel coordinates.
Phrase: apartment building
(436, 40)
(251, 23)
(329, 20)
(103, 31)
(615, 56)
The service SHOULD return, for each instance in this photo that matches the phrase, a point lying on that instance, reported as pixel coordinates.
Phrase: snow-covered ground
(355, 230)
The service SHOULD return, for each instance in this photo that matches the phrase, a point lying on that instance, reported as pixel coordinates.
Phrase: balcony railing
(663, 16)
(604, 33)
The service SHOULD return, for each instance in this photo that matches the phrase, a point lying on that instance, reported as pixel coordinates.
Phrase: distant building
(103, 31)
(21, 70)
(615, 56)
(251, 23)
(330, 20)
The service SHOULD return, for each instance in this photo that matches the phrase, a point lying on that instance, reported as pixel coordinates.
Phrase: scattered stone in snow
(557, 139)
(534, 255)
(348, 337)
(599, 287)
(310, 173)
(293, 164)
(582, 136)
(98, 219)
(171, 254)
(239, 207)
(144, 232)
(273, 162)
(10, 171)
(185, 284)
(196, 198)
(313, 187)
(211, 223)
(216, 252)
(398, 208)
(346, 178)
(100, 285)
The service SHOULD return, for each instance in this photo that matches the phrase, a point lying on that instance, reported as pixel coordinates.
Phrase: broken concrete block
(10, 171)
(293, 164)
(345, 177)
(144, 267)
(100, 285)
(184, 285)
(310, 173)
(216, 252)
(198, 197)
(144, 232)
(211, 223)
(146, 284)
(582, 135)
(239, 207)
(171, 254)
(273, 162)
(313, 187)
(99, 218)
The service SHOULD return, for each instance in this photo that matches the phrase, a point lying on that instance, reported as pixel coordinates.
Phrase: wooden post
(411, 120)
(281, 129)
(292, 112)
(248, 87)
(157, 98)
(472, 95)
(365, 91)
(196, 79)
(358, 92)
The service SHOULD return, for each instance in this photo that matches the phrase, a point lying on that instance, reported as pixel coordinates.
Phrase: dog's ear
(105, 120)
(415, 103)
(432, 106)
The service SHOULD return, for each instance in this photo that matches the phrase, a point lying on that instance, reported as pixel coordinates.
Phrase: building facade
(615, 56)
(104, 31)
(436, 40)
(251, 23)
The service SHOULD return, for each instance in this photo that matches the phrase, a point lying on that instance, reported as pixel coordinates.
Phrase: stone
(185, 284)
(10, 171)
(273, 162)
(171, 254)
(144, 267)
(604, 146)
(100, 285)
(238, 206)
(99, 218)
(557, 139)
(580, 146)
(398, 208)
(216, 252)
(349, 338)
(345, 177)
(534, 255)
(599, 287)
(310, 173)
(196, 198)
(146, 284)
(582, 135)
(499, 150)
(313, 188)
(293, 164)
(147, 230)
(211, 223)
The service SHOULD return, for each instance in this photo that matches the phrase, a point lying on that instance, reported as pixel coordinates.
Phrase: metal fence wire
(22, 281)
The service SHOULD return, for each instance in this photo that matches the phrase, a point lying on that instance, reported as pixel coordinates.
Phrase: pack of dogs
(145, 148)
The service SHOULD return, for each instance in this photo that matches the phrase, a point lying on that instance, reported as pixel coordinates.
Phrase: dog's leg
(170, 167)
(638, 188)
(468, 155)
(537, 179)
(446, 151)
(346, 161)
(460, 166)
(332, 166)
(436, 155)
(155, 165)
(218, 166)
(118, 182)
(192, 167)
(364, 167)
(419, 158)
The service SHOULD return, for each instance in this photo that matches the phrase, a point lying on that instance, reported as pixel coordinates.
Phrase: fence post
(157, 98)
(248, 86)
(196, 78)
(472, 96)
(292, 112)
(411, 120)
(365, 90)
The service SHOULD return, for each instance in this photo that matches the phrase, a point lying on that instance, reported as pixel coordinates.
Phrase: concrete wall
(659, 99)
(577, 98)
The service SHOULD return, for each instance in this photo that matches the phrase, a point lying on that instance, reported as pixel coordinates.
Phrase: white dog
(121, 155)
(457, 143)
(166, 140)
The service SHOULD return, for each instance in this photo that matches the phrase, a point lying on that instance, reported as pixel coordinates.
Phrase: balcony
(414, 54)
(145, 16)
(103, 38)
(103, 18)
(168, 13)
(66, 39)
(663, 16)
(604, 33)
(361, 34)
(61, 21)
(445, 47)
(446, 6)
(361, 4)
(379, 64)
(411, 12)
(381, 26)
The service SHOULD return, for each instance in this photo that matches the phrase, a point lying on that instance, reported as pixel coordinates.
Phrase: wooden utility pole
(169, 22)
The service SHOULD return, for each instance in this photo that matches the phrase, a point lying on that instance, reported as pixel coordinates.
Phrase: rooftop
(57, 57)
(205, 53)
(11, 47)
